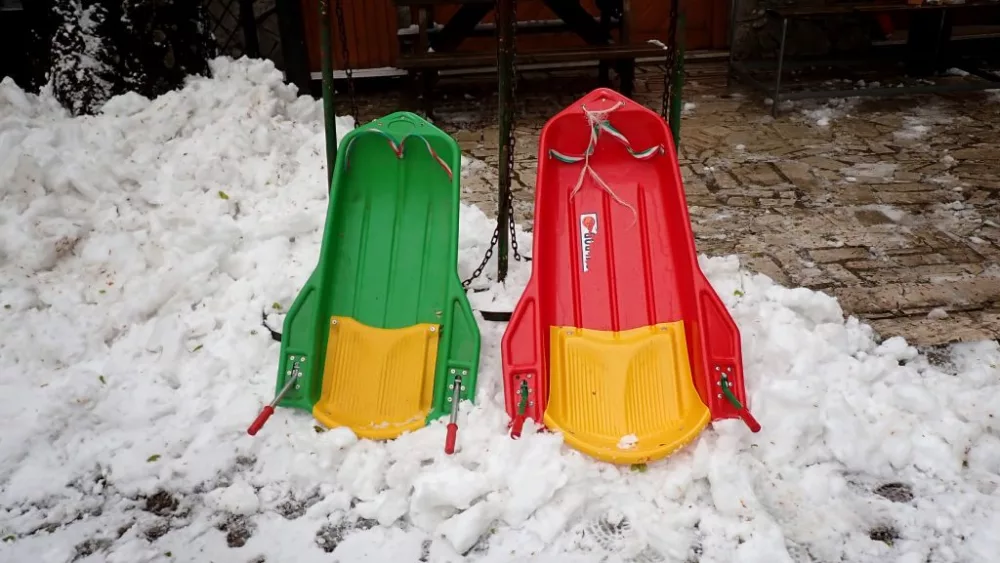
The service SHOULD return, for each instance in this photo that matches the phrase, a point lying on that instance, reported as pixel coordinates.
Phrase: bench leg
(627, 77)
(781, 60)
(428, 80)
(603, 74)
(733, 6)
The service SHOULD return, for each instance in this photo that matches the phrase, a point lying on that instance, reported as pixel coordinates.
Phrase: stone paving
(892, 205)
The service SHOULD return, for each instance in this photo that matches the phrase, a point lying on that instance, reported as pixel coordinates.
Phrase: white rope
(594, 119)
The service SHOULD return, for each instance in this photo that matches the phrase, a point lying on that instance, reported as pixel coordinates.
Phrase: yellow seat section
(378, 382)
(623, 397)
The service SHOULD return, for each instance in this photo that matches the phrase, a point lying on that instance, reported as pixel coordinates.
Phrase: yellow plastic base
(378, 382)
(623, 397)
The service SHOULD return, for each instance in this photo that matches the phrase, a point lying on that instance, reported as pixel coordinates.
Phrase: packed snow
(138, 248)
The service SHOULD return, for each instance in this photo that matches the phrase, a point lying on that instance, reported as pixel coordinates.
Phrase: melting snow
(138, 248)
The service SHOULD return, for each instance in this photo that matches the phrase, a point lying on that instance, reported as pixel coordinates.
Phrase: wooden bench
(436, 49)
(926, 46)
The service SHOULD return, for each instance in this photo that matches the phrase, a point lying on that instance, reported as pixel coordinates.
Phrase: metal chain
(486, 259)
(511, 143)
(671, 61)
(342, 28)
(510, 158)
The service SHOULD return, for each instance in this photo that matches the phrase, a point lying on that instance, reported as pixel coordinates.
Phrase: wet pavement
(892, 205)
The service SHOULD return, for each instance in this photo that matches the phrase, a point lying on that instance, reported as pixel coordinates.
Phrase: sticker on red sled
(588, 230)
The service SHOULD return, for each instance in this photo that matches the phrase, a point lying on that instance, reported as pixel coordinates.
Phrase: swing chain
(510, 159)
(671, 61)
(342, 28)
(510, 139)
(486, 259)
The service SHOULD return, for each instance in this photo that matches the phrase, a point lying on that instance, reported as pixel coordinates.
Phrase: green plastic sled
(382, 327)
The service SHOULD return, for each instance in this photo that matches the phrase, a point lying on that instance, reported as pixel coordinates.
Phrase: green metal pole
(329, 116)
(676, 98)
(505, 69)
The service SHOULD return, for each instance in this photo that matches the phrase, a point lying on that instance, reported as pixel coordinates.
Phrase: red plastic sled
(618, 341)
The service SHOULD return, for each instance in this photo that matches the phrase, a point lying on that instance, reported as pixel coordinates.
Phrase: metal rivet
(719, 395)
(288, 372)
(730, 368)
(433, 329)
(529, 376)
(717, 368)
(449, 399)
(452, 386)
(452, 371)
(303, 358)
(465, 372)
(298, 386)
(531, 403)
(463, 388)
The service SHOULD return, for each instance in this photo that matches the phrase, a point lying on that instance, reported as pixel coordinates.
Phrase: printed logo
(588, 230)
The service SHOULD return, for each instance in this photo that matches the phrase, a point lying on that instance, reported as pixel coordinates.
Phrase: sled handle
(741, 411)
(258, 422)
(452, 436)
(750, 421)
(522, 408)
(268, 410)
(515, 429)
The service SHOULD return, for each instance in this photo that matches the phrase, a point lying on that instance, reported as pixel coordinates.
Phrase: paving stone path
(891, 205)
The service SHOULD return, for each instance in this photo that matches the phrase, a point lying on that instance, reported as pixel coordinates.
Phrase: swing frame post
(676, 98)
(505, 69)
(329, 119)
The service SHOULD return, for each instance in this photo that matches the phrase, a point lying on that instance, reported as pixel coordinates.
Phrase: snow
(138, 248)
(822, 113)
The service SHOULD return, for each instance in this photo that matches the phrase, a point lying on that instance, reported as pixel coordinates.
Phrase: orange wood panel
(371, 33)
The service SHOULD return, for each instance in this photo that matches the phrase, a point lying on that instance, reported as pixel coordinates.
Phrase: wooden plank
(404, 3)
(469, 60)
(371, 45)
(871, 6)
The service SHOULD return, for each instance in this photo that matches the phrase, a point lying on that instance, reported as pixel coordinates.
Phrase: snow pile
(138, 248)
